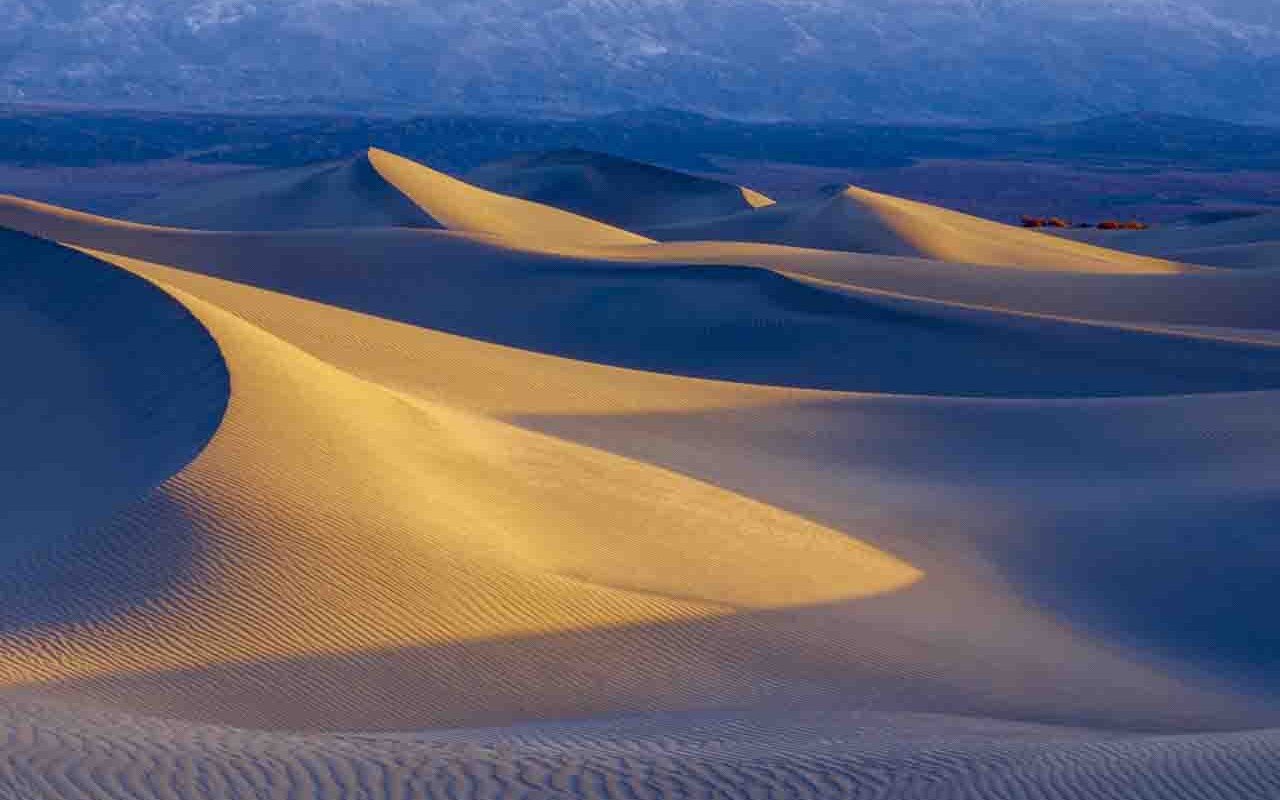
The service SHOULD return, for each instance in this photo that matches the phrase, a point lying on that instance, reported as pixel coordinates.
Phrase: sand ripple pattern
(83, 755)
(507, 502)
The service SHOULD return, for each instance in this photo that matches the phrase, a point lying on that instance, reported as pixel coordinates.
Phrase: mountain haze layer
(933, 60)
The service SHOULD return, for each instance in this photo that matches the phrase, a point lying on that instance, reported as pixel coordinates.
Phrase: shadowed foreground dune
(531, 506)
(95, 412)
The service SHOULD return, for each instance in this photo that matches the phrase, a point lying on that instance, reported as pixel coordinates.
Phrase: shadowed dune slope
(464, 559)
(715, 321)
(1249, 243)
(1147, 521)
(378, 189)
(1167, 240)
(1227, 299)
(872, 465)
(340, 194)
(621, 192)
(1254, 255)
(833, 221)
(332, 516)
(857, 220)
(460, 206)
(1221, 298)
(110, 387)
(441, 496)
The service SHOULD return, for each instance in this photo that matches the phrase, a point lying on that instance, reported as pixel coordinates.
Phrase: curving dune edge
(505, 501)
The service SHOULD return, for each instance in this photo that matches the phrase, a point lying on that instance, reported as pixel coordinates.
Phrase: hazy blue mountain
(1003, 61)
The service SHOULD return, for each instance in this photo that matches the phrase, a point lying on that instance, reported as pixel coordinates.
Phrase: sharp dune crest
(460, 206)
(340, 194)
(860, 221)
(756, 199)
(432, 491)
(851, 220)
(94, 413)
(834, 221)
(625, 301)
(420, 525)
(951, 236)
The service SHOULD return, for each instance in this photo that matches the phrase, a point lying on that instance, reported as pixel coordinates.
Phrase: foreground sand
(766, 521)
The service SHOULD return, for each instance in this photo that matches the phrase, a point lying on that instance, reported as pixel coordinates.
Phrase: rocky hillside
(1002, 61)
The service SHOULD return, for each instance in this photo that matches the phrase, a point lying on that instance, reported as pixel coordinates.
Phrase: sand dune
(1172, 238)
(765, 520)
(861, 221)
(834, 220)
(462, 207)
(649, 308)
(340, 194)
(476, 530)
(376, 189)
(634, 410)
(1227, 298)
(1253, 255)
(1245, 243)
(94, 412)
(621, 192)
(1234, 299)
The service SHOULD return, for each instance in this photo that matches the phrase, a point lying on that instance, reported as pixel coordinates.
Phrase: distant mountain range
(45, 137)
(995, 61)
(1157, 167)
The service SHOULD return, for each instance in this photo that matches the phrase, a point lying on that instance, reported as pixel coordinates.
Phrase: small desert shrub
(1029, 221)
(1131, 225)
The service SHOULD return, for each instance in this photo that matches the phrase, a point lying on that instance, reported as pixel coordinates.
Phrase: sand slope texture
(857, 220)
(622, 192)
(1251, 242)
(505, 501)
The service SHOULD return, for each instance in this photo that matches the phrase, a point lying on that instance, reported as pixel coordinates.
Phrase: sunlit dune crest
(462, 207)
(490, 379)
(429, 490)
(756, 199)
(951, 236)
(338, 194)
(860, 221)
(331, 514)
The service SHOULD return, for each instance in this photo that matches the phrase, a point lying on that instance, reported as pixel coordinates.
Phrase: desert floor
(360, 481)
